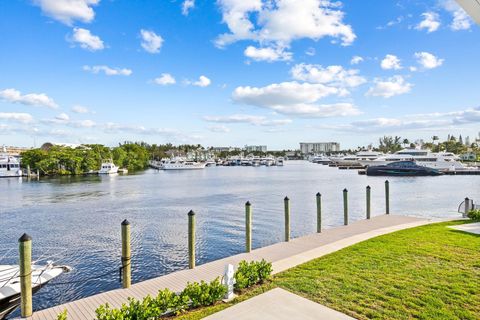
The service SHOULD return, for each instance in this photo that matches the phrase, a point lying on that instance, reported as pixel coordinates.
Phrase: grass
(428, 272)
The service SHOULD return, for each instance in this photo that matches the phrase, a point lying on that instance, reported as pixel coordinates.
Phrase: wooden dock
(283, 256)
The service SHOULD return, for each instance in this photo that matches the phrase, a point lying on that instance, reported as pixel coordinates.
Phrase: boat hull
(401, 172)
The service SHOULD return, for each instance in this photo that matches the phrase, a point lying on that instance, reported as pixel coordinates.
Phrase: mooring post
(248, 227)
(29, 172)
(286, 202)
(25, 252)
(368, 202)
(467, 207)
(387, 197)
(126, 255)
(345, 206)
(319, 212)
(191, 239)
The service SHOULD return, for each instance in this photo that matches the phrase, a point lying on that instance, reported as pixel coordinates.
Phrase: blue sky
(236, 72)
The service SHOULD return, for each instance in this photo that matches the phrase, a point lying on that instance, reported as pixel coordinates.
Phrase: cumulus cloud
(430, 22)
(80, 109)
(165, 79)
(428, 60)
(86, 40)
(279, 22)
(390, 87)
(108, 71)
(16, 116)
(249, 119)
(268, 54)
(335, 76)
(461, 20)
(293, 98)
(391, 62)
(62, 117)
(68, 11)
(33, 99)
(310, 51)
(187, 5)
(202, 81)
(151, 41)
(356, 60)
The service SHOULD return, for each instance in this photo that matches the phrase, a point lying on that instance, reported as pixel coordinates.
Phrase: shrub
(204, 294)
(62, 315)
(251, 273)
(474, 214)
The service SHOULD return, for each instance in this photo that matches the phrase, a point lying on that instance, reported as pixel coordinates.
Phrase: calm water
(76, 220)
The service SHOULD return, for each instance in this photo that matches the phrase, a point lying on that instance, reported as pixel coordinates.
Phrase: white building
(255, 148)
(319, 147)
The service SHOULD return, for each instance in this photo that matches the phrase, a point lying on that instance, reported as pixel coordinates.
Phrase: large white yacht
(108, 168)
(9, 166)
(425, 158)
(358, 158)
(182, 164)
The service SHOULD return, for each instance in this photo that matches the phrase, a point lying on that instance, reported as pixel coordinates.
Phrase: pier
(283, 255)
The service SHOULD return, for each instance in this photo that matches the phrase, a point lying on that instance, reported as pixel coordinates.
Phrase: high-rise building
(319, 147)
(256, 148)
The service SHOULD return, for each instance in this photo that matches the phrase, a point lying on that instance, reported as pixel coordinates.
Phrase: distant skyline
(236, 72)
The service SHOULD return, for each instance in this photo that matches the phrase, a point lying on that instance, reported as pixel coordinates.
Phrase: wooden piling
(248, 227)
(191, 239)
(387, 197)
(368, 202)
(319, 212)
(25, 252)
(126, 255)
(345, 206)
(467, 207)
(286, 203)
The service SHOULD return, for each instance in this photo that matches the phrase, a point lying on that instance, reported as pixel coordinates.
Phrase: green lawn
(429, 272)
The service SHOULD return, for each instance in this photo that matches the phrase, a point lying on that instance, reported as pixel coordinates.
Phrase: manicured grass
(429, 272)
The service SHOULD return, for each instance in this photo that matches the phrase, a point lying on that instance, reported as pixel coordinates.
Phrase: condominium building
(255, 148)
(319, 147)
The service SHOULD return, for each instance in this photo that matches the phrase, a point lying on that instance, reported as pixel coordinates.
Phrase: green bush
(474, 214)
(166, 302)
(62, 315)
(251, 273)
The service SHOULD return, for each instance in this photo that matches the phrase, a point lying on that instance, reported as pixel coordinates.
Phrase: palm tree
(405, 142)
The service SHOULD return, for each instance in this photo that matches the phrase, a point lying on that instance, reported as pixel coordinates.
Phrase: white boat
(320, 159)
(440, 161)
(10, 283)
(9, 166)
(210, 163)
(181, 164)
(280, 161)
(357, 159)
(256, 162)
(108, 168)
(269, 161)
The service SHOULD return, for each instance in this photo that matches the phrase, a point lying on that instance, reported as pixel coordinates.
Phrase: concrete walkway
(470, 227)
(278, 304)
(283, 256)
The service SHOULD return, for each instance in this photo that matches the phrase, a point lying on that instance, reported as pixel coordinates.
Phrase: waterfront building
(319, 147)
(15, 151)
(255, 148)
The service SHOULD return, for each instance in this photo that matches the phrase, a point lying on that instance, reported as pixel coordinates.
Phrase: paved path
(470, 228)
(278, 304)
(283, 256)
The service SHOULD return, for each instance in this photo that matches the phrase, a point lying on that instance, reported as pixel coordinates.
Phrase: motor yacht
(182, 164)
(401, 168)
(9, 165)
(108, 168)
(356, 159)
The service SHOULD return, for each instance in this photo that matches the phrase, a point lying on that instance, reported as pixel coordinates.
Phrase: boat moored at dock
(9, 165)
(401, 168)
(108, 168)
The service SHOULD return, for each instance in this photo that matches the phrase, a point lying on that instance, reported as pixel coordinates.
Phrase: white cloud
(62, 117)
(430, 22)
(202, 81)
(335, 76)
(428, 60)
(310, 51)
(33, 99)
(390, 87)
(151, 41)
(108, 71)
(293, 98)
(356, 60)
(87, 40)
(16, 116)
(391, 62)
(165, 79)
(277, 23)
(219, 128)
(80, 109)
(268, 54)
(249, 119)
(83, 124)
(67, 11)
(461, 20)
(187, 5)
